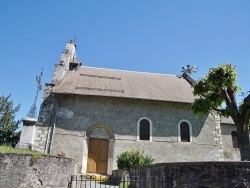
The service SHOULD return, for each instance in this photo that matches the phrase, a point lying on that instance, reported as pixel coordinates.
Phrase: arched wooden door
(98, 156)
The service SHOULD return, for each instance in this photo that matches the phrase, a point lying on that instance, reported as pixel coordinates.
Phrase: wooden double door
(98, 156)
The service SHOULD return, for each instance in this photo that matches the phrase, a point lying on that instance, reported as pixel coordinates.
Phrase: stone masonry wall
(77, 114)
(41, 139)
(218, 139)
(49, 105)
(18, 171)
(66, 57)
(45, 120)
(191, 174)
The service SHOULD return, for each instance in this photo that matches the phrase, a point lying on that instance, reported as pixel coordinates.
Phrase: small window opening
(234, 135)
(185, 132)
(144, 130)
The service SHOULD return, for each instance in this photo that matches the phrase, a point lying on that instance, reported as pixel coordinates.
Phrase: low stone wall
(26, 170)
(192, 174)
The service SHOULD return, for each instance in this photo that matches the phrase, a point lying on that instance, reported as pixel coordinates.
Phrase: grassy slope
(9, 149)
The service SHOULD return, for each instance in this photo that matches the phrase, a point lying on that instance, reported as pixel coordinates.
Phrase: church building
(93, 114)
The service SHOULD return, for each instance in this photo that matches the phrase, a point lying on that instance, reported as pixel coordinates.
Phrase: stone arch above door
(100, 140)
(100, 131)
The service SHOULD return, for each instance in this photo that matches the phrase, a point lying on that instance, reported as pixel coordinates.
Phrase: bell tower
(67, 63)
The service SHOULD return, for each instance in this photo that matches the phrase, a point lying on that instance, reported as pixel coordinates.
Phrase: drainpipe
(47, 141)
(52, 135)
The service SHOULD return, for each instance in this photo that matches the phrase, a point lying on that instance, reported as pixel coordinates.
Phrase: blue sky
(140, 35)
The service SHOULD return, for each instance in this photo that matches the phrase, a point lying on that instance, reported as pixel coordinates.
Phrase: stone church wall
(67, 122)
(77, 114)
(231, 154)
(40, 141)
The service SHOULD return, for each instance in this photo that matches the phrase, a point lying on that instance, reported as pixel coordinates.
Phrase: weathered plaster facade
(231, 154)
(76, 115)
(68, 120)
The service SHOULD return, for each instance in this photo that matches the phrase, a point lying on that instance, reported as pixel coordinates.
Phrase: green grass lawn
(124, 185)
(9, 149)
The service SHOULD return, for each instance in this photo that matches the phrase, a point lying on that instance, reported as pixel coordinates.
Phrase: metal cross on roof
(188, 69)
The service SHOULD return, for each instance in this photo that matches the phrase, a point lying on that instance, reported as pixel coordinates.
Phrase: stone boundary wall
(18, 170)
(191, 174)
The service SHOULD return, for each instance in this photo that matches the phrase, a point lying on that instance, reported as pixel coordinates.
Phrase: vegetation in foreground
(10, 149)
(219, 87)
(124, 185)
(133, 158)
(9, 133)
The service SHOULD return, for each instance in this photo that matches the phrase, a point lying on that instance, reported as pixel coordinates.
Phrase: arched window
(234, 135)
(144, 128)
(184, 131)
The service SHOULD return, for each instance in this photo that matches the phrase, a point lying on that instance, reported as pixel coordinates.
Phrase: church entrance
(98, 156)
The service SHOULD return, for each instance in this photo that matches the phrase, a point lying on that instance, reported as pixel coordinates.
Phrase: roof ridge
(129, 71)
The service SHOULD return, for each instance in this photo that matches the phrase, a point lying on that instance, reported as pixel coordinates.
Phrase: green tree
(133, 158)
(217, 92)
(8, 125)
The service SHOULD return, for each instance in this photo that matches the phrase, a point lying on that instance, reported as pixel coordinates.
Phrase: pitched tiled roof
(125, 84)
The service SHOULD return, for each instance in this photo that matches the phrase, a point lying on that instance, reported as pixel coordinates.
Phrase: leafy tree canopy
(8, 125)
(217, 87)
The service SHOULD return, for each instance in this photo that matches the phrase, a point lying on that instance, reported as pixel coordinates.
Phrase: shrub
(62, 154)
(133, 158)
(35, 158)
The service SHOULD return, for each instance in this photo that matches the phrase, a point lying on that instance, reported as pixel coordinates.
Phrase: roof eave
(159, 100)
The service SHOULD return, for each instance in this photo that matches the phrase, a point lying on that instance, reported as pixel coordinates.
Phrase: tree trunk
(243, 140)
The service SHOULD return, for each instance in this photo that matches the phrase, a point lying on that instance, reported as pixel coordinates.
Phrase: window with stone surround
(144, 129)
(184, 131)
